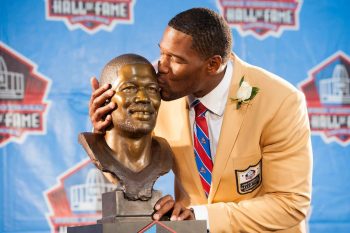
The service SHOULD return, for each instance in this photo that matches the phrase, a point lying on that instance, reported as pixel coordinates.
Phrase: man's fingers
(165, 208)
(186, 214)
(99, 102)
(176, 212)
(98, 98)
(102, 125)
(94, 84)
(101, 118)
(102, 93)
(98, 109)
(102, 112)
(179, 212)
(162, 201)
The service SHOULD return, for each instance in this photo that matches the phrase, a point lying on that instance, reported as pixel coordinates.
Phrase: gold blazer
(261, 180)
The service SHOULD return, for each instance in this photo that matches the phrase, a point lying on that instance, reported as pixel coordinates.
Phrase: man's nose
(163, 65)
(142, 96)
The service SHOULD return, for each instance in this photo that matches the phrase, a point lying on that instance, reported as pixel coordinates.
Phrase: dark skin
(98, 112)
(182, 71)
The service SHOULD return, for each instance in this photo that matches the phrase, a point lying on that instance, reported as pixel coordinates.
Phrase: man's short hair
(110, 70)
(210, 33)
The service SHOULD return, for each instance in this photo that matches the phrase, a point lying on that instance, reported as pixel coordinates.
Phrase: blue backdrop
(49, 49)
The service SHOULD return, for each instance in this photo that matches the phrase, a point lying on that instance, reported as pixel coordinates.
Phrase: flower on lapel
(245, 93)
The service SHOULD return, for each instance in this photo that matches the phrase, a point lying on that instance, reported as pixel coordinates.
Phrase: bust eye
(129, 89)
(152, 89)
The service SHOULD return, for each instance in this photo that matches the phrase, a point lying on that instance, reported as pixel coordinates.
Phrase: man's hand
(99, 111)
(179, 212)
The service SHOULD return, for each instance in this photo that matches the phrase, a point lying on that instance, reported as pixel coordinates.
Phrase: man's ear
(214, 64)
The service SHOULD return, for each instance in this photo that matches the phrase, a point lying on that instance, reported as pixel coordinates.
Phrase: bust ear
(214, 64)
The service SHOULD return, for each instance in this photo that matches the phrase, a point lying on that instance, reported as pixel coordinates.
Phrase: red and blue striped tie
(202, 146)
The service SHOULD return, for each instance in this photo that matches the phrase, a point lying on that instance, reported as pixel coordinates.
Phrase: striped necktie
(202, 146)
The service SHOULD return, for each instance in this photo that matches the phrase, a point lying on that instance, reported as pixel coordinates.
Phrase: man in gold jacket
(260, 144)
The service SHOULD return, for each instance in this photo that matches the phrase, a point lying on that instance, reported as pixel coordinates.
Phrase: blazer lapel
(233, 119)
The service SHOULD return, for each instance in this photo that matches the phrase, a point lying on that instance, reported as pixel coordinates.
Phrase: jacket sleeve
(286, 176)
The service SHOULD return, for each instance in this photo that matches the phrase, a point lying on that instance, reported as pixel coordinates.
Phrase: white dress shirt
(215, 102)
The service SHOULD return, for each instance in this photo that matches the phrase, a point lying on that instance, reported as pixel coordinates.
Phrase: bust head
(137, 96)
(128, 153)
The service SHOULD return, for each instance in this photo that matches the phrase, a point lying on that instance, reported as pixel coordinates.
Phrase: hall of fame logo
(76, 199)
(327, 92)
(23, 91)
(261, 18)
(90, 15)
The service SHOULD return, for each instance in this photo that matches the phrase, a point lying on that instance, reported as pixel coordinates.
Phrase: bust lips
(142, 112)
(144, 116)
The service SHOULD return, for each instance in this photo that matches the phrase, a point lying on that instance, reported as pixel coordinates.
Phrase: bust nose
(142, 96)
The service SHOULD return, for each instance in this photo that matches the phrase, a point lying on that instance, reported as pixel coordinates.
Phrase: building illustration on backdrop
(76, 199)
(23, 92)
(11, 83)
(336, 89)
(88, 196)
(327, 93)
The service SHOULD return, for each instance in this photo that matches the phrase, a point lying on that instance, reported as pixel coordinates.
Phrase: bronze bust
(128, 151)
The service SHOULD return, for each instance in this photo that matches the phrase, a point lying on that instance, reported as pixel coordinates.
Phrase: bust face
(138, 99)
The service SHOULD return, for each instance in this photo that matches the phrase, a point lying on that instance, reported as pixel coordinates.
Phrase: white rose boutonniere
(245, 93)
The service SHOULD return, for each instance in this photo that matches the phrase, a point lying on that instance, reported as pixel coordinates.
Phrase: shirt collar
(215, 100)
